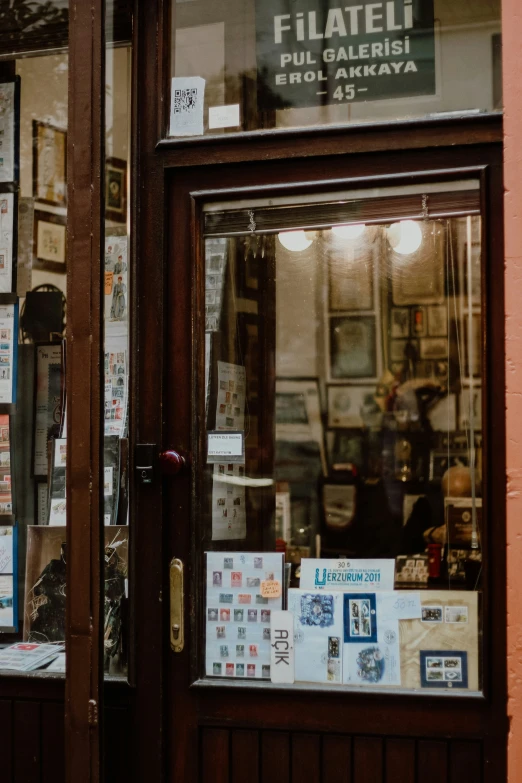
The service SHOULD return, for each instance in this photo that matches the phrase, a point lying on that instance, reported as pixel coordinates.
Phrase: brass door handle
(177, 597)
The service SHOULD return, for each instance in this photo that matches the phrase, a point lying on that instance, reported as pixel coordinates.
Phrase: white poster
(7, 132)
(116, 385)
(243, 588)
(116, 292)
(318, 635)
(347, 575)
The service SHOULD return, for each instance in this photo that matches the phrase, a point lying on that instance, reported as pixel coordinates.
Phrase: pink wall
(512, 68)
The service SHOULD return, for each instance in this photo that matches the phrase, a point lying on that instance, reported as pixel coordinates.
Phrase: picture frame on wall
(352, 407)
(418, 277)
(298, 413)
(353, 347)
(350, 276)
(50, 242)
(437, 321)
(49, 164)
(400, 322)
(116, 190)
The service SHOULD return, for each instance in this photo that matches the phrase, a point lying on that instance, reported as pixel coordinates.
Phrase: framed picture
(352, 349)
(419, 321)
(418, 277)
(116, 190)
(50, 242)
(346, 446)
(298, 413)
(49, 164)
(434, 348)
(438, 321)
(404, 350)
(400, 322)
(353, 406)
(350, 276)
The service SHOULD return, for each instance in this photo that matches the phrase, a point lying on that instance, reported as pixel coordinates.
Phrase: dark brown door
(283, 341)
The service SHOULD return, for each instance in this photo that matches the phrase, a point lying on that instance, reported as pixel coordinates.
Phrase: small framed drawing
(116, 190)
(49, 164)
(404, 350)
(418, 277)
(50, 242)
(353, 350)
(400, 322)
(438, 321)
(353, 407)
(434, 348)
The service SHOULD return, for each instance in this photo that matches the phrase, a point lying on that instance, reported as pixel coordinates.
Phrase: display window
(34, 278)
(340, 501)
(265, 64)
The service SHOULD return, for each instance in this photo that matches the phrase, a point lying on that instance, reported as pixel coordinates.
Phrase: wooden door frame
(159, 161)
(84, 676)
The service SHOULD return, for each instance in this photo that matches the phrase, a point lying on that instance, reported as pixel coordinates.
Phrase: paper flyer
(228, 488)
(318, 635)
(230, 405)
(228, 502)
(116, 386)
(364, 575)
(215, 266)
(238, 614)
(7, 218)
(58, 507)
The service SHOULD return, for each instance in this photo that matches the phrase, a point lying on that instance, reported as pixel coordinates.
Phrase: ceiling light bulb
(296, 241)
(349, 230)
(405, 237)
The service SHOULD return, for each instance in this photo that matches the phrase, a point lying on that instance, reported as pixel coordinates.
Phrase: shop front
(253, 356)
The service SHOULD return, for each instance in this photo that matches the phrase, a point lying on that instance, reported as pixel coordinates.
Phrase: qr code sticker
(185, 100)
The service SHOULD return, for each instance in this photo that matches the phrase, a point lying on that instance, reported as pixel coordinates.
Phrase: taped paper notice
(271, 588)
(187, 99)
(223, 116)
(225, 444)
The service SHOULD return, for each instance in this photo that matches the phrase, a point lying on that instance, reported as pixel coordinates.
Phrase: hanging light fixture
(405, 237)
(349, 230)
(295, 241)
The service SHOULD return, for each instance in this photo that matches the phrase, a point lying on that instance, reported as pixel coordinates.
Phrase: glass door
(339, 485)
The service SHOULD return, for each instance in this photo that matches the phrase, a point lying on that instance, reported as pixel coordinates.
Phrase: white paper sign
(282, 647)
(224, 444)
(347, 575)
(187, 99)
(223, 116)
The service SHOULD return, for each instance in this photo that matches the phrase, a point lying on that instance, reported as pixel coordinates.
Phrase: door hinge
(93, 713)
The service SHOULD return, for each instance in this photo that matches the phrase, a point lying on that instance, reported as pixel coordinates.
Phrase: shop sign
(319, 52)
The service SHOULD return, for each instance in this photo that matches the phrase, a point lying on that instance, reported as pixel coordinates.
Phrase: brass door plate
(177, 599)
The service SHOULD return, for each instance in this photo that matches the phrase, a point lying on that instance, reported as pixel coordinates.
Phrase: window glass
(340, 495)
(116, 284)
(260, 64)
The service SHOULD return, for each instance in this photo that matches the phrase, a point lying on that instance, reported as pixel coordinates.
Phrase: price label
(271, 588)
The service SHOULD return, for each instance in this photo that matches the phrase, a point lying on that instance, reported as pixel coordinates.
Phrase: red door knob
(171, 462)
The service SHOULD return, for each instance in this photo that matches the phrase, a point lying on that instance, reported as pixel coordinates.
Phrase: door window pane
(243, 66)
(341, 473)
